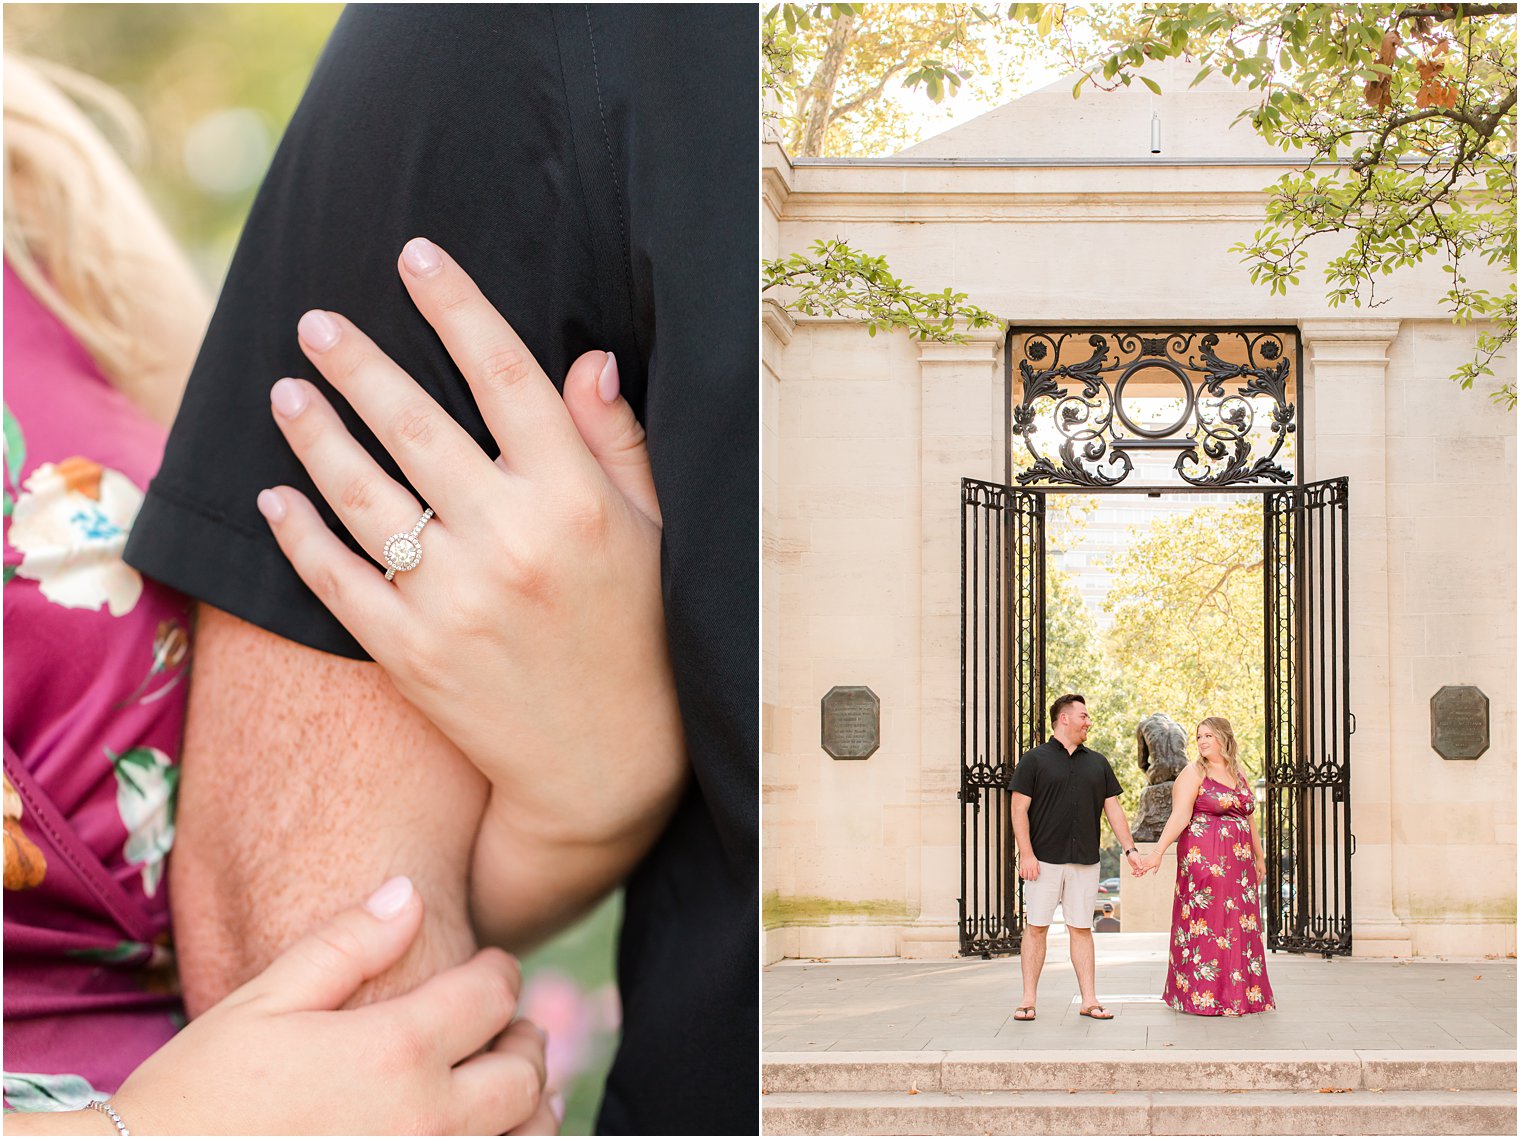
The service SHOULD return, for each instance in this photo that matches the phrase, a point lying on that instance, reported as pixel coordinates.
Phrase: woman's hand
(532, 632)
(1151, 863)
(274, 1059)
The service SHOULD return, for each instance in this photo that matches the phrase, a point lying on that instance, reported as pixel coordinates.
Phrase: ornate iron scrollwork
(1081, 433)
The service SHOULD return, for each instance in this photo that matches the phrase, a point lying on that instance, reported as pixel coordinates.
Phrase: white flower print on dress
(70, 524)
(147, 787)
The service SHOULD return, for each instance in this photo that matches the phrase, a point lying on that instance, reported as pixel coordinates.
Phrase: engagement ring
(404, 551)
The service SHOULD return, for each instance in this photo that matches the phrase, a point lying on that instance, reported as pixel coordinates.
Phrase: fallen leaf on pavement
(1478, 977)
(1333, 1091)
(912, 1091)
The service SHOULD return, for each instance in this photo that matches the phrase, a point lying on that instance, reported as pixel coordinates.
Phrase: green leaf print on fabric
(113, 954)
(28, 1091)
(15, 453)
(147, 789)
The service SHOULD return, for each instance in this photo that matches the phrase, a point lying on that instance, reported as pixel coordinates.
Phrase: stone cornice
(1092, 205)
(982, 345)
(1353, 341)
(775, 177)
(777, 321)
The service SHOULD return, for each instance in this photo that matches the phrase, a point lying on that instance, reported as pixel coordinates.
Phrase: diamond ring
(404, 551)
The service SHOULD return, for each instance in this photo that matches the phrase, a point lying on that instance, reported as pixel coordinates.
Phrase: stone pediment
(1049, 123)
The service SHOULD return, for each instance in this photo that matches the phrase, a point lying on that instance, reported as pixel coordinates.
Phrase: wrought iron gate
(1002, 697)
(1075, 421)
(1308, 770)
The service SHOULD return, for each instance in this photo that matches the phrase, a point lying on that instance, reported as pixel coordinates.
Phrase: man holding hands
(1060, 789)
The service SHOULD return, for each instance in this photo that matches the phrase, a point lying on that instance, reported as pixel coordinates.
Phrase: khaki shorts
(1072, 884)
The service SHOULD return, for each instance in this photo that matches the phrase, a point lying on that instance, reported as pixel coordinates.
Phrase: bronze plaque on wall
(1459, 722)
(851, 721)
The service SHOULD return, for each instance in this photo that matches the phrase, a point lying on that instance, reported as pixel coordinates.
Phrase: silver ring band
(404, 551)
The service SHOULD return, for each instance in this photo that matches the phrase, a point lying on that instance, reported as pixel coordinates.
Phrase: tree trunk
(818, 97)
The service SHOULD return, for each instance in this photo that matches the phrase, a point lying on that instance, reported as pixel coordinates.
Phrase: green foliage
(1404, 116)
(1186, 603)
(178, 64)
(834, 279)
(859, 60)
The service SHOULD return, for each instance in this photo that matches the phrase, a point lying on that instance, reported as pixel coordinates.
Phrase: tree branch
(852, 104)
(1448, 12)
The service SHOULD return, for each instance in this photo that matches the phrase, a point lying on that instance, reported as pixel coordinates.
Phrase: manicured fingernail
(607, 383)
(318, 330)
(390, 899)
(288, 398)
(421, 256)
(557, 1106)
(271, 506)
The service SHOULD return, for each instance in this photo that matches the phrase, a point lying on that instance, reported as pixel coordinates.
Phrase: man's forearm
(306, 782)
(1120, 826)
(1021, 829)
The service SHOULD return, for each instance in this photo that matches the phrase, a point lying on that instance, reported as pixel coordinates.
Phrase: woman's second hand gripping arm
(532, 632)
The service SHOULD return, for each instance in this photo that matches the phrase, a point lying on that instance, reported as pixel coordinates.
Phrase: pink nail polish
(271, 506)
(421, 256)
(288, 398)
(557, 1106)
(607, 383)
(390, 899)
(318, 330)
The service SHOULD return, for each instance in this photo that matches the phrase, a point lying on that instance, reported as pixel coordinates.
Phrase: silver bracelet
(104, 1107)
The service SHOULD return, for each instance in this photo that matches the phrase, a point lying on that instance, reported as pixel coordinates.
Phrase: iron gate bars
(1308, 836)
(1002, 698)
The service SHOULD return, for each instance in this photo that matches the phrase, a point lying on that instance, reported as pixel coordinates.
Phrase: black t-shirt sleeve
(1111, 786)
(404, 130)
(1022, 777)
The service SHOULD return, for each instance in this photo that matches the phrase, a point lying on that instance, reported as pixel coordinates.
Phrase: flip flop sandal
(1024, 1019)
(1092, 1013)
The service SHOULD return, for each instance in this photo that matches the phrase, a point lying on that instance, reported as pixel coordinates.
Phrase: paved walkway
(892, 1005)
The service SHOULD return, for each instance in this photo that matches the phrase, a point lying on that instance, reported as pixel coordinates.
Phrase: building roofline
(893, 161)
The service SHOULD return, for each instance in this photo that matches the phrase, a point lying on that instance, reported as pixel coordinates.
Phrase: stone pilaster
(1346, 420)
(961, 418)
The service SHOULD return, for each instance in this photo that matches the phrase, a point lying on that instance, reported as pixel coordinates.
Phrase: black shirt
(1067, 790)
(594, 168)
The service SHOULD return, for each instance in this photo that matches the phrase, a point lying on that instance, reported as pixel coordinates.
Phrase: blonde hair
(1226, 737)
(55, 237)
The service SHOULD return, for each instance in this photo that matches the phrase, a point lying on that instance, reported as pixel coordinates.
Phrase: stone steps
(1140, 1113)
(1458, 1092)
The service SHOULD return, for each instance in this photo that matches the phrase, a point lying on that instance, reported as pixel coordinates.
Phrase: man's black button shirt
(1067, 790)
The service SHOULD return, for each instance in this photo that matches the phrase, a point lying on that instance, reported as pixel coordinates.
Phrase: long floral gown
(1218, 967)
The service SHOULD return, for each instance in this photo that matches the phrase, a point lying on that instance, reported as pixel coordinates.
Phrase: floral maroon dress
(1218, 967)
(96, 659)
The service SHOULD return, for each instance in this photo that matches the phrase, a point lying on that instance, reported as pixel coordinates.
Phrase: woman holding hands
(1217, 965)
